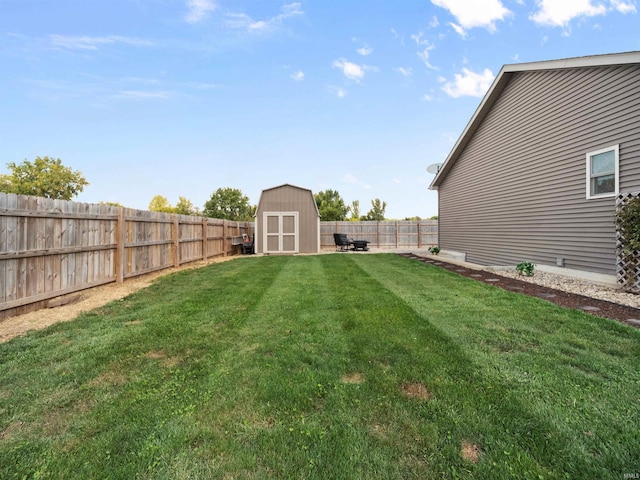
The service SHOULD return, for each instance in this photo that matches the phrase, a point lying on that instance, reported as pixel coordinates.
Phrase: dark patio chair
(342, 242)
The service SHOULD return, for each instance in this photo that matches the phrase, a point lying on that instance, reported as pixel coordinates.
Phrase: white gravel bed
(573, 285)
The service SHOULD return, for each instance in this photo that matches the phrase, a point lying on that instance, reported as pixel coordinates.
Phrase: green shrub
(525, 268)
(628, 225)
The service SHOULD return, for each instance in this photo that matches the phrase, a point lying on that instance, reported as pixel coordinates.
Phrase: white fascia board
(502, 79)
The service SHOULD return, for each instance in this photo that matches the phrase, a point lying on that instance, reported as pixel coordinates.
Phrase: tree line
(48, 177)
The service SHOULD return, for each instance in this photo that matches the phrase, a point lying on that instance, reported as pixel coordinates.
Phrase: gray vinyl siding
(289, 198)
(518, 190)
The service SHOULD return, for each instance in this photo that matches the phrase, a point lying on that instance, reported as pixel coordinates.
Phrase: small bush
(525, 268)
(434, 250)
(628, 224)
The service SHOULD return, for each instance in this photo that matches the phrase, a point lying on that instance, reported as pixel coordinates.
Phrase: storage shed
(287, 221)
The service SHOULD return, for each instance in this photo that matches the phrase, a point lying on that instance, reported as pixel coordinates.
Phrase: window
(602, 173)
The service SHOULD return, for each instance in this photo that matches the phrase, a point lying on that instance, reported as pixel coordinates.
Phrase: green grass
(297, 367)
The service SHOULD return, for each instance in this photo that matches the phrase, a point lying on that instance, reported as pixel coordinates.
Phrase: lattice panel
(627, 264)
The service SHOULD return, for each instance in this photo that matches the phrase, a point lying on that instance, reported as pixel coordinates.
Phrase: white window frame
(616, 150)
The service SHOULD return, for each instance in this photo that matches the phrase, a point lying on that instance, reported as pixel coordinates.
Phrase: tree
(160, 204)
(185, 207)
(331, 206)
(355, 211)
(229, 204)
(377, 210)
(45, 177)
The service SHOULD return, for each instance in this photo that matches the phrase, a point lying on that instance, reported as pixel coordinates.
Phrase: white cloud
(337, 91)
(459, 30)
(242, 21)
(417, 37)
(143, 95)
(559, 13)
(425, 46)
(364, 51)
(298, 76)
(349, 178)
(198, 10)
(433, 23)
(203, 86)
(623, 7)
(351, 70)
(352, 179)
(475, 13)
(397, 36)
(406, 72)
(426, 98)
(93, 43)
(424, 56)
(469, 83)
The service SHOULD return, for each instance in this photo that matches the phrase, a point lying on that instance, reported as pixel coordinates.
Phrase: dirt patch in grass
(167, 362)
(109, 378)
(355, 377)
(416, 390)
(156, 354)
(13, 429)
(380, 432)
(470, 452)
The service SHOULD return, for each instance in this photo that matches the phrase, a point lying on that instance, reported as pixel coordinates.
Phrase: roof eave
(501, 81)
(487, 102)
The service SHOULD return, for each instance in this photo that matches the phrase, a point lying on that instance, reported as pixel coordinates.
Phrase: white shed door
(280, 232)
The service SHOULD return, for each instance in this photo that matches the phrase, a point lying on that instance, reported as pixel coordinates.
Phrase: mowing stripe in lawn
(330, 366)
(555, 366)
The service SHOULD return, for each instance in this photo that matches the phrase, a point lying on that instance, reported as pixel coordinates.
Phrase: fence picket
(54, 247)
(384, 234)
(50, 248)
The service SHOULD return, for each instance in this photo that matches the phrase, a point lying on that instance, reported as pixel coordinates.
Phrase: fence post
(397, 234)
(224, 238)
(120, 239)
(419, 236)
(176, 241)
(205, 243)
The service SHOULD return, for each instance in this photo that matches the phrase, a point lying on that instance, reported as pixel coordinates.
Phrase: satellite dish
(434, 168)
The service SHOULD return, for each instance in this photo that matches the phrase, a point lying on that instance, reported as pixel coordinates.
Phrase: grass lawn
(320, 367)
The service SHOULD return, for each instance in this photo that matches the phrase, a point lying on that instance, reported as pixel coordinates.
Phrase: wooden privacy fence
(387, 234)
(51, 248)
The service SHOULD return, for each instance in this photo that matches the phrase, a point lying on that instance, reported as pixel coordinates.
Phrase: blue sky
(181, 97)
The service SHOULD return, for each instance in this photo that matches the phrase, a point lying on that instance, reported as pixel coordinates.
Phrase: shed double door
(281, 232)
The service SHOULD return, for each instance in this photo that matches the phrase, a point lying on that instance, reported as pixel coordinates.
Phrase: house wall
(518, 190)
(288, 198)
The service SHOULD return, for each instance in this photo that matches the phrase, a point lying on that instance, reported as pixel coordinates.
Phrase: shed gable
(283, 203)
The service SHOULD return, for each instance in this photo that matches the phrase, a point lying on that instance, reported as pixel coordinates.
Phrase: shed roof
(501, 81)
(292, 186)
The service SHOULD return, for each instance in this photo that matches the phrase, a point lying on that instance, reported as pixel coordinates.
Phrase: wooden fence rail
(52, 248)
(386, 234)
